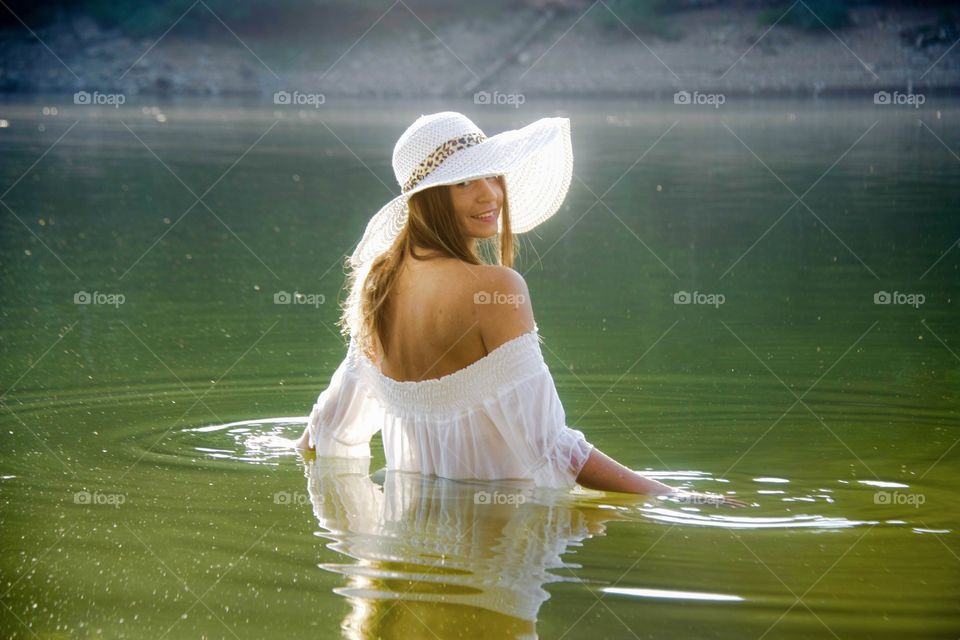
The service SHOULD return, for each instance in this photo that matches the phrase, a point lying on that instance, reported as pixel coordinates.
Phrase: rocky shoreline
(534, 53)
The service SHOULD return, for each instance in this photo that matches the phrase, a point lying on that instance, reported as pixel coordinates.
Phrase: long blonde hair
(432, 226)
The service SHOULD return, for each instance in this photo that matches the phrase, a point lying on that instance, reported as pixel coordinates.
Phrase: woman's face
(476, 206)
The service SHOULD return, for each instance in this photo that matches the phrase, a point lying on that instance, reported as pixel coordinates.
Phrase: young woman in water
(444, 356)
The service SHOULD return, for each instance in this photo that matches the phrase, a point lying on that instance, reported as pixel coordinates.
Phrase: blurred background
(431, 47)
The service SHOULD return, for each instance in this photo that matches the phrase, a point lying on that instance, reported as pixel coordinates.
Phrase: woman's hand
(304, 441)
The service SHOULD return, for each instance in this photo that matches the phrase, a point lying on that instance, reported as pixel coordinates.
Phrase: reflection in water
(454, 558)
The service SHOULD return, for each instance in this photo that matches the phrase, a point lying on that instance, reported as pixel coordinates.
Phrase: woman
(444, 355)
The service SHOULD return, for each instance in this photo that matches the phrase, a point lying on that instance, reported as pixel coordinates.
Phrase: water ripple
(261, 441)
(676, 516)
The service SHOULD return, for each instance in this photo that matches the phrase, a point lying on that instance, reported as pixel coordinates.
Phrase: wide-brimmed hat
(447, 148)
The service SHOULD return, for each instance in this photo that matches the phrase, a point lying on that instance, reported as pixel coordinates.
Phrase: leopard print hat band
(441, 153)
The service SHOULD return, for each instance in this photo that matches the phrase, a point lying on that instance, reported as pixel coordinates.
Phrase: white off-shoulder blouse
(498, 418)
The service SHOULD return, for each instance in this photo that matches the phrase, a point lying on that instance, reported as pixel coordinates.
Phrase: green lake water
(148, 489)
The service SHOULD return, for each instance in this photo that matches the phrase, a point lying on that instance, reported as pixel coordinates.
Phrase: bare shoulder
(501, 304)
(500, 277)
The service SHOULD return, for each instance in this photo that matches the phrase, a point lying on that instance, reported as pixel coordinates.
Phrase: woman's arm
(502, 322)
(603, 473)
(345, 415)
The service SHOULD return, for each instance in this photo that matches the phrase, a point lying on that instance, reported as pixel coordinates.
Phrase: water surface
(148, 490)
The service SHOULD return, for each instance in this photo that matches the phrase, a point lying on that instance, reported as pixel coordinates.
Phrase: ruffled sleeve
(529, 416)
(346, 415)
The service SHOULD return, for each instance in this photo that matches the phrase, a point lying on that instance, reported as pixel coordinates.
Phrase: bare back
(436, 325)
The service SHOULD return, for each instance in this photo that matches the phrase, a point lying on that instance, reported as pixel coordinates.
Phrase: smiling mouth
(486, 217)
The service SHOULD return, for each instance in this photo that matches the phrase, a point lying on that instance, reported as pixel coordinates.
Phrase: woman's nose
(489, 190)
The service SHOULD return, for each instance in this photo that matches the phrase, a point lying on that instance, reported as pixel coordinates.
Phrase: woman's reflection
(439, 558)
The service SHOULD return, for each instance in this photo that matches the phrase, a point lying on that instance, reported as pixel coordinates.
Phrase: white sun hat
(446, 148)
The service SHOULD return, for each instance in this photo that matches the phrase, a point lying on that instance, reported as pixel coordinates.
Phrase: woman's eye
(466, 183)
